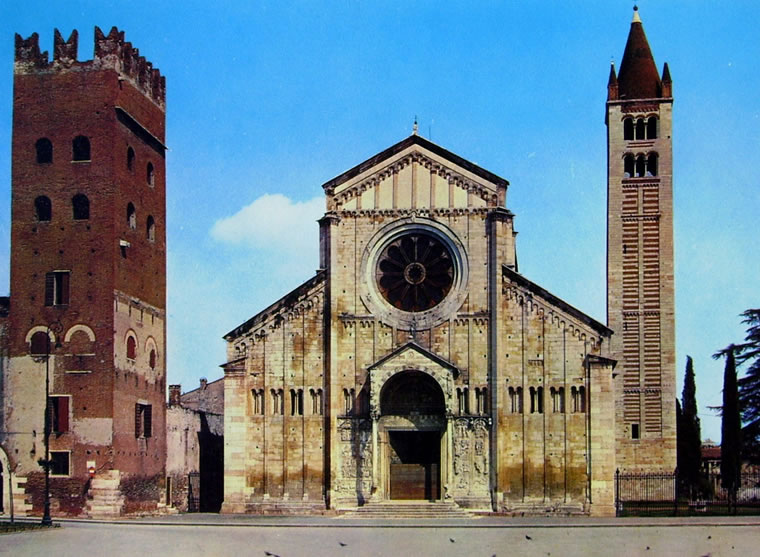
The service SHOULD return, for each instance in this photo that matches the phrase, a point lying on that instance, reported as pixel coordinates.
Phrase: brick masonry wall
(640, 290)
(117, 102)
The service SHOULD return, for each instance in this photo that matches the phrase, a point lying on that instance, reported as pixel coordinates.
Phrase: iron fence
(668, 494)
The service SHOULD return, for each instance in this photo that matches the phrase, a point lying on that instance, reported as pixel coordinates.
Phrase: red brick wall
(60, 100)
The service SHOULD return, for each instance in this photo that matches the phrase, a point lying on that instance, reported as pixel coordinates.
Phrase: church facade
(418, 363)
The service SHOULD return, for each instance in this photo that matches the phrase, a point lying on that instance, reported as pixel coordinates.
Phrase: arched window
(481, 400)
(628, 129)
(131, 216)
(81, 207)
(313, 396)
(130, 159)
(640, 129)
(44, 148)
(39, 345)
(629, 166)
(152, 359)
(516, 400)
(652, 127)
(277, 402)
(131, 347)
(537, 400)
(150, 229)
(149, 174)
(43, 209)
(652, 160)
(80, 148)
(258, 401)
(582, 397)
(641, 164)
(273, 396)
(558, 400)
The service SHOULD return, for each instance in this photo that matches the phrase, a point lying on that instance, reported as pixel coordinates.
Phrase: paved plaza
(212, 535)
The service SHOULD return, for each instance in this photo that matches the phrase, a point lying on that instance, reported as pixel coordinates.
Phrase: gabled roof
(288, 299)
(550, 298)
(420, 350)
(638, 77)
(422, 142)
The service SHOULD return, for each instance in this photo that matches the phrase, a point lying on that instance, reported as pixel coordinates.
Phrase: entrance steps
(106, 500)
(408, 509)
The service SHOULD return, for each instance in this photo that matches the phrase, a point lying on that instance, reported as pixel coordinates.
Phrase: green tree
(689, 431)
(748, 354)
(730, 431)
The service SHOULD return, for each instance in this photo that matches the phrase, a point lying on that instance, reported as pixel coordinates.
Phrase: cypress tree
(691, 445)
(730, 442)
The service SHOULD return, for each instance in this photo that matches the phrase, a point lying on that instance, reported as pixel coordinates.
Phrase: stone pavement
(210, 535)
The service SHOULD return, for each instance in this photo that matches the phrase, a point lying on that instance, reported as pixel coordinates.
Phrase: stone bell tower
(640, 284)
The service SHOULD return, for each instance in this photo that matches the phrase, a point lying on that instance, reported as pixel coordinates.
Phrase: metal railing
(670, 494)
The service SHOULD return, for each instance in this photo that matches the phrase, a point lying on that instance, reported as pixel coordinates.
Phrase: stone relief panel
(471, 465)
(355, 457)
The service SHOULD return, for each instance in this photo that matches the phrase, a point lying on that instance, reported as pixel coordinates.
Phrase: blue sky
(268, 100)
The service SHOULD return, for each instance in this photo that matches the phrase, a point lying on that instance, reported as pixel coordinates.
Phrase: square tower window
(57, 288)
(43, 209)
(80, 149)
(143, 420)
(44, 148)
(60, 463)
(58, 406)
(80, 206)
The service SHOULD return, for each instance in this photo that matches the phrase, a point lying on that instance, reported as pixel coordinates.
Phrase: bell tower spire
(640, 286)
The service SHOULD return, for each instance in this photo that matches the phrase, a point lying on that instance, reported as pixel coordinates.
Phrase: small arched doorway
(413, 410)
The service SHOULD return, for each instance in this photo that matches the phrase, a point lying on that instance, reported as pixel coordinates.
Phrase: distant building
(195, 447)
(88, 279)
(710, 457)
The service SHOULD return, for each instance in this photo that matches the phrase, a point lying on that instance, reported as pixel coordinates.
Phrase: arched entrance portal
(413, 421)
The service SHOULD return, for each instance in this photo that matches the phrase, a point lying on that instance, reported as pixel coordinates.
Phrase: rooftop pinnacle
(638, 77)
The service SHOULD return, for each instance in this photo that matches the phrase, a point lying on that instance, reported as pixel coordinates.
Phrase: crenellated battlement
(111, 52)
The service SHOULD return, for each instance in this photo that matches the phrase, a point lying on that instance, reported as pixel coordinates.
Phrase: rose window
(415, 272)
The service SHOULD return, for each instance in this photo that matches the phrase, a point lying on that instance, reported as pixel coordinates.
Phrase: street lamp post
(46, 520)
(56, 329)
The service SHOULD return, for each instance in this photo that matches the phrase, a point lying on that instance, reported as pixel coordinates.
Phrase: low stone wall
(141, 494)
(68, 496)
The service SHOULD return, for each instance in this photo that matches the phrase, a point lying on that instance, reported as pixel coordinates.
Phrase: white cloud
(275, 223)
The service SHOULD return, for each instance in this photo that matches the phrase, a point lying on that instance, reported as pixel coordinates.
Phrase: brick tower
(88, 271)
(640, 287)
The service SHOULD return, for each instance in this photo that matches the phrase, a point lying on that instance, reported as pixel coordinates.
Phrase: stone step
(104, 484)
(412, 509)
